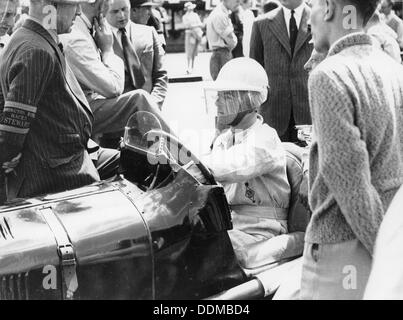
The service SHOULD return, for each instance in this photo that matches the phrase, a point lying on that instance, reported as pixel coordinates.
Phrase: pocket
(146, 60)
(57, 162)
(68, 150)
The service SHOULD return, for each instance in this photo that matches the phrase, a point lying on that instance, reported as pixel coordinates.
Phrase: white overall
(251, 166)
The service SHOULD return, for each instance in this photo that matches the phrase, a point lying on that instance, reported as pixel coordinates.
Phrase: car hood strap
(65, 251)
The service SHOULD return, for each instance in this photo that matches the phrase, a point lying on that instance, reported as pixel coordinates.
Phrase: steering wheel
(164, 150)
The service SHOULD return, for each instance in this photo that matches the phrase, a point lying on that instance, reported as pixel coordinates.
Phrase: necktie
(60, 45)
(293, 31)
(132, 61)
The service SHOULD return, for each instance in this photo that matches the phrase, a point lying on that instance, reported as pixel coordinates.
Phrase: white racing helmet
(241, 87)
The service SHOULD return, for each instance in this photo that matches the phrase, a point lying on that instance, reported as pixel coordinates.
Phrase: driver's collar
(238, 131)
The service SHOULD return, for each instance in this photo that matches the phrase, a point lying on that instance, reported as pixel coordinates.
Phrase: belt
(221, 48)
(261, 212)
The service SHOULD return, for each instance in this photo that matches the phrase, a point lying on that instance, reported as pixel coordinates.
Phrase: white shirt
(219, 29)
(297, 15)
(247, 18)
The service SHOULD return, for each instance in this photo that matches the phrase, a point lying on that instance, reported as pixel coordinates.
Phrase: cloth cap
(142, 3)
(189, 5)
(73, 1)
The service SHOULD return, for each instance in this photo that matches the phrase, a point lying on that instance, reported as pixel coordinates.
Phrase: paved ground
(176, 64)
(184, 107)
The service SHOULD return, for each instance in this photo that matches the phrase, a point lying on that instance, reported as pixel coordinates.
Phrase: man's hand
(103, 35)
(12, 164)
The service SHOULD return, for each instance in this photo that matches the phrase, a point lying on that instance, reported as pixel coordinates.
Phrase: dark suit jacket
(270, 46)
(151, 54)
(44, 115)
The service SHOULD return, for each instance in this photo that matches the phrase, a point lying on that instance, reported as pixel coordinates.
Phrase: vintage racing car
(151, 232)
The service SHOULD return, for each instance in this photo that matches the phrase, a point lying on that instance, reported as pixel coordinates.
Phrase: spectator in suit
(355, 162)
(44, 115)
(280, 43)
(145, 50)
(8, 11)
(101, 74)
(392, 20)
(220, 35)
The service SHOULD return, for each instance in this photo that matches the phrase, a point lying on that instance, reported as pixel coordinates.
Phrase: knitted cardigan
(355, 166)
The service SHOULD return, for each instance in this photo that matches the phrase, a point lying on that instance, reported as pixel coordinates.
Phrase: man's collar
(86, 21)
(224, 8)
(298, 11)
(52, 32)
(352, 39)
(256, 122)
(116, 30)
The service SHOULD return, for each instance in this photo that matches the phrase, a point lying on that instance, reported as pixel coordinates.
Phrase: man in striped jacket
(44, 115)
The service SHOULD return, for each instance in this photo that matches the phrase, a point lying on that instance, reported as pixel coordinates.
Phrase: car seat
(298, 214)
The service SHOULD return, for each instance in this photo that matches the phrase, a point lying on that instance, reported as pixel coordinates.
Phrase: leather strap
(65, 252)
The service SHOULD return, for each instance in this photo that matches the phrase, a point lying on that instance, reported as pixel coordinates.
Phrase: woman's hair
(365, 7)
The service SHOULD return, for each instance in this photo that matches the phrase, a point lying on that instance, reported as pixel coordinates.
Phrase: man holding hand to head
(101, 74)
(139, 48)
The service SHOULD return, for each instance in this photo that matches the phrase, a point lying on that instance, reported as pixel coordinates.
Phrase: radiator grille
(14, 287)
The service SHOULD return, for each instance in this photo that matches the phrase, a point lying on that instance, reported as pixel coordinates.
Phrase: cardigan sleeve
(343, 156)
